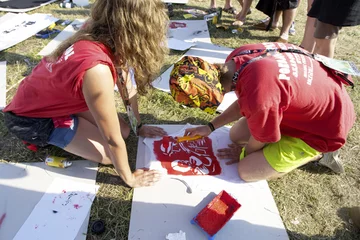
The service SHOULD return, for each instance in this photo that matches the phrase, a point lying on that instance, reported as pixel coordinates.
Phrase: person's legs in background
(241, 16)
(288, 18)
(325, 38)
(212, 4)
(308, 41)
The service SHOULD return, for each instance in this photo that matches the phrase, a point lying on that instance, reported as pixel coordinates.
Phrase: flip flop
(230, 10)
(211, 10)
(262, 26)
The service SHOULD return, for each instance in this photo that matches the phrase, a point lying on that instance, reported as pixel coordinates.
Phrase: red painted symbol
(187, 158)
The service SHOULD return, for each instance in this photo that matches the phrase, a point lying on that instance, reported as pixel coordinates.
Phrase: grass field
(312, 201)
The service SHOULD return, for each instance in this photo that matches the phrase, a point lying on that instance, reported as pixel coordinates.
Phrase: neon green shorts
(288, 153)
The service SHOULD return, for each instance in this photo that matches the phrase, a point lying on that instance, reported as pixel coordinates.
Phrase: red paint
(53, 201)
(177, 25)
(217, 213)
(187, 158)
(64, 191)
(2, 219)
(77, 206)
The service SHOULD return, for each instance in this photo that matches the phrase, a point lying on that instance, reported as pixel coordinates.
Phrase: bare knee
(125, 131)
(246, 175)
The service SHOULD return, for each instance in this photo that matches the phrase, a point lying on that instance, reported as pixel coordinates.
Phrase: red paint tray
(216, 214)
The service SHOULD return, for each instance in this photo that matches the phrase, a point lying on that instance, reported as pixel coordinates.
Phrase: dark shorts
(325, 31)
(43, 131)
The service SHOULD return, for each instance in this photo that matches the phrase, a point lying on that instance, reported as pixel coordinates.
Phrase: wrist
(211, 126)
(139, 126)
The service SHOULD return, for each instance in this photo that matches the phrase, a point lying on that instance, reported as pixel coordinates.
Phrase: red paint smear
(53, 201)
(2, 219)
(217, 213)
(64, 191)
(77, 206)
(187, 158)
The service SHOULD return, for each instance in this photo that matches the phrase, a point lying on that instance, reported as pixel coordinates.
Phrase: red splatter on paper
(53, 201)
(2, 219)
(63, 191)
(187, 158)
(77, 206)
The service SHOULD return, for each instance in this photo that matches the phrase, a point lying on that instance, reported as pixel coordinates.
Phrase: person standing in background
(325, 20)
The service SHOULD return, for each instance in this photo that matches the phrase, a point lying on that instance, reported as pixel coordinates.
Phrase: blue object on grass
(46, 33)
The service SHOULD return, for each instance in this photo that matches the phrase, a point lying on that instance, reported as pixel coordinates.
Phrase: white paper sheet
(229, 98)
(22, 27)
(22, 185)
(195, 31)
(179, 44)
(167, 207)
(65, 34)
(25, 9)
(2, 84)
(60, 212)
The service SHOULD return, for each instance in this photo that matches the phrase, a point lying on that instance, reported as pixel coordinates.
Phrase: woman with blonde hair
(68, 99)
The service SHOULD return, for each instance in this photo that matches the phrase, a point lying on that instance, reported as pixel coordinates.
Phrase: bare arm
(98, 92)
(231, 114)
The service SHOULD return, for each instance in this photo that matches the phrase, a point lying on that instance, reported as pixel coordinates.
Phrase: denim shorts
(57, 131)
(64, 131)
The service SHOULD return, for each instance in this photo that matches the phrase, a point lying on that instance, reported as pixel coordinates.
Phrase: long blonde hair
(135, 31)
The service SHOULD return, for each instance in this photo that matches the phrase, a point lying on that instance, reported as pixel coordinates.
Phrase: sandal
(211, 10)
(263, 26)
(230, 10)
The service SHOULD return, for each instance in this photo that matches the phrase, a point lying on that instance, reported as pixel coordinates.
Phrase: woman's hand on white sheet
(144, 178)
(203, 131)
(151, 131)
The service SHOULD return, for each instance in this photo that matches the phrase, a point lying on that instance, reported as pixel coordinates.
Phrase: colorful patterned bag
(196, 83)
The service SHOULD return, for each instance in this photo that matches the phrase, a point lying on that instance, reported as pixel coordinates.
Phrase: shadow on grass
(81, 12)
(316, 168)
(15, 59)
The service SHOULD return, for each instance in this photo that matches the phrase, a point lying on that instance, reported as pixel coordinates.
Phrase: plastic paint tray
(216, 214)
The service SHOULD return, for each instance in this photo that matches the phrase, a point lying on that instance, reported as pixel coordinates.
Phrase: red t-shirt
(55, 89)
(294, 95)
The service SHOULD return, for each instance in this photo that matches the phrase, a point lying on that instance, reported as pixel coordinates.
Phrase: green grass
(313, 202)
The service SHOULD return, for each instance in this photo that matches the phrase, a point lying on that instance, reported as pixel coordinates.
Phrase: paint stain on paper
(68, 200)
(77, 206)
(187, 158)
(2, 218)
(63, 191)
(53, 201)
